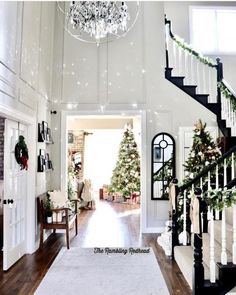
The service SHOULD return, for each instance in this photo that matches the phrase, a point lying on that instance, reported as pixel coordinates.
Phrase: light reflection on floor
(110, 225)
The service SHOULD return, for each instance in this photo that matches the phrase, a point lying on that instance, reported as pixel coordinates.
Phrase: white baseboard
(149, 230)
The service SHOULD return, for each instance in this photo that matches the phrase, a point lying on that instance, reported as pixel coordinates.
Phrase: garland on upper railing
(186, 47)
(220, 198)
(227, 94)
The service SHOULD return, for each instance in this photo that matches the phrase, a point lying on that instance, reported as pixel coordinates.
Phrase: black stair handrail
(232, 94)
(207, 169)
(229, 88)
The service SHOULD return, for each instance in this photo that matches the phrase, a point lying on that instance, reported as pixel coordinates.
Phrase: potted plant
(48, 209)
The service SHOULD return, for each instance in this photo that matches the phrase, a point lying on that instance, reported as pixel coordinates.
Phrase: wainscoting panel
(8, 33)
(46, 45)
(30, 43)
(126, 66)
(80, 71)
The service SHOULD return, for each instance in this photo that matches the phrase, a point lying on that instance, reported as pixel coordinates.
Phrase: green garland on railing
(186, 47)
(227, 94)
(220, 198)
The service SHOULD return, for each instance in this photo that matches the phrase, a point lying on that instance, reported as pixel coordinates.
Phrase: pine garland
(220, 198)
(186, 47)
(227, 94)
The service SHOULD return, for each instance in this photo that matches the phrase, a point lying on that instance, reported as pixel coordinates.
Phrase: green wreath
(21, 153)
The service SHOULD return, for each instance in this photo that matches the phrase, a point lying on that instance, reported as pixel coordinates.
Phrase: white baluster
(214, 84)
(180, 61)
(208, 194)
(233, 128)
(198, 81)
(174, 58)
(225, 172)
(192, 70)
(234, 235)
(186, 67)
(232, 166)
(212, 250)
(228, 112)
(223, 108)
(223, 225)
(209, 86)
(217, 213)
(185, 221)
(204, 78)
(223, 238)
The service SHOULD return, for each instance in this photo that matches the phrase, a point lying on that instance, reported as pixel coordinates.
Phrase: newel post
(219, 69)
(167, 23)
(173, 194)
(198, 270)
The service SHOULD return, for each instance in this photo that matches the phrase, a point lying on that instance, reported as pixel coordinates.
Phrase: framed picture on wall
(42, 152)
(41, 135)
(49, 135)
(41, 163)
(45, 127)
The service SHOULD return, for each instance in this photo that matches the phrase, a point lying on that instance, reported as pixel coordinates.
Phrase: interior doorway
(93, 146)
(102, 136)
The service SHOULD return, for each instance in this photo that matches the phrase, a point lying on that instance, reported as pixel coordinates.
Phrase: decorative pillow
(58, 198)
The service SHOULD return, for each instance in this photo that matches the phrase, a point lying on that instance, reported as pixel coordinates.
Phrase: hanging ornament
(199, 126)
(21, 153)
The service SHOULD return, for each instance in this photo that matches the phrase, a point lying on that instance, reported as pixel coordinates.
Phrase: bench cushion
(58, 198)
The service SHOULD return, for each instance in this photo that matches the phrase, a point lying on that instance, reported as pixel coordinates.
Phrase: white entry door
(15, 195)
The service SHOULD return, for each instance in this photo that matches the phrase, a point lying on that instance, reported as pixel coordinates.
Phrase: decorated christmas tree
(126, 175)
(203, 152)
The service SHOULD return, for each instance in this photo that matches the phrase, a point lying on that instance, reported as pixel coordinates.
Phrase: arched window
(163, 165)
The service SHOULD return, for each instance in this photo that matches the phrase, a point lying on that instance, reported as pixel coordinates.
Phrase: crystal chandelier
(92, 21)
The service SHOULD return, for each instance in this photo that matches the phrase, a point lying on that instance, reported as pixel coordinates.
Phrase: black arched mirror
(163, 165)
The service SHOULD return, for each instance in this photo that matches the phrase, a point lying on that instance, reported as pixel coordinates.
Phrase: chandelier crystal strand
(98, 18)
(98, 22)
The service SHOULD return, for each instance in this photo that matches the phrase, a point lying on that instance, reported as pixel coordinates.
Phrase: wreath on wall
(21, 153)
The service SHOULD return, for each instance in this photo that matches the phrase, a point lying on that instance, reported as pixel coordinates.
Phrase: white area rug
(80, 271)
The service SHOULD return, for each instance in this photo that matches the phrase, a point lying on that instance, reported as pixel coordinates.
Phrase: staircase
(202, 79)
(207, 256)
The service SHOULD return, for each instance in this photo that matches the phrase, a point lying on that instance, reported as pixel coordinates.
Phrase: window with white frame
(212, 29)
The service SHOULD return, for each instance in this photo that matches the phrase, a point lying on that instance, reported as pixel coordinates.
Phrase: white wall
(139, 58)
(178, 13)
(26, 48)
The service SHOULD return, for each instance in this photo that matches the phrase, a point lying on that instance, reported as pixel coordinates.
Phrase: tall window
(212, 29)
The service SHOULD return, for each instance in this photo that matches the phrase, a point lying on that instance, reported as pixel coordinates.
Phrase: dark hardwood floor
(110, 225)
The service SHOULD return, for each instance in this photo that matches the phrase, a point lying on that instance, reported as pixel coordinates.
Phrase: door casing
(30, 122)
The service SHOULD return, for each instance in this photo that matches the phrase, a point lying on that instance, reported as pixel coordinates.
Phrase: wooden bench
(69, 218)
